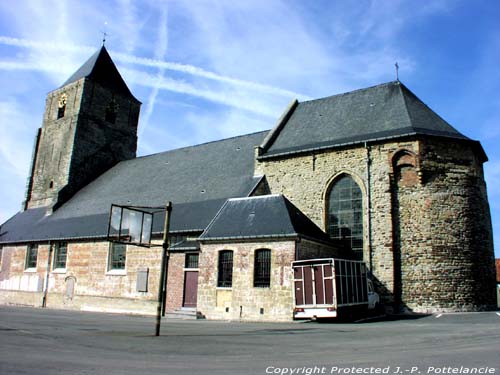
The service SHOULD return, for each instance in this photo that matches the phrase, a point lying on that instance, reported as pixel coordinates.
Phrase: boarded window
(117, 256)
(262, 268)
(225, 276)
(31, 256)
(345, 214)
(60, 255)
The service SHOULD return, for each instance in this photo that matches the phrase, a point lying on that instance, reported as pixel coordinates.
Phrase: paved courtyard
(39, 341)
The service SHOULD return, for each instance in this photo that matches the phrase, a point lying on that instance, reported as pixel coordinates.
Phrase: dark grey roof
(380, 112)
(198, 180)
(261, 217)
(101, 69)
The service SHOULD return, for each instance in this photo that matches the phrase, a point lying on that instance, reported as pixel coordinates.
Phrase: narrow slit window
(111, 111)
(61, 106)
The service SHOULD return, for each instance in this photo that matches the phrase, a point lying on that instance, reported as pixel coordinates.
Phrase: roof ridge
(197, 145)
(214, 219)
(256, 197)
(352, 92)
(405, 103)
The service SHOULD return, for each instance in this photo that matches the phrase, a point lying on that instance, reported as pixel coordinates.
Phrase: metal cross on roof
(397, 71)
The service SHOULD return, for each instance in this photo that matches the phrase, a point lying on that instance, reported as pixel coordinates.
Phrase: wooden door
(190, 288)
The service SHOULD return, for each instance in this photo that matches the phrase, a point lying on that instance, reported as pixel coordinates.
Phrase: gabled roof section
(101, 69)
(197, 180)
(385, 111)
(266, 216)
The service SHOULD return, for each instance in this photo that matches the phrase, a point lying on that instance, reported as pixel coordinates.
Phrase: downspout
(47, 272)
(369, 197)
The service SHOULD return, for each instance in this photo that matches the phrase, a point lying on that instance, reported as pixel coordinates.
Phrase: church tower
(89, 125)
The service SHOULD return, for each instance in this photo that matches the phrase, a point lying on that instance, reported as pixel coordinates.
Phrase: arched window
(345, 214)
(262, 268)
(61, 105)
(225, 269)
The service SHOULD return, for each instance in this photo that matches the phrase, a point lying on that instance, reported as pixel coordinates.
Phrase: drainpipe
(47, 273)
(369, 197)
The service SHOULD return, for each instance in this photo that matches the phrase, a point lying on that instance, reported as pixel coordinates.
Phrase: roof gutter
(359, 142)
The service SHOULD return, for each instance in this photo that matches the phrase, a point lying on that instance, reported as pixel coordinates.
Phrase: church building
(373, 175)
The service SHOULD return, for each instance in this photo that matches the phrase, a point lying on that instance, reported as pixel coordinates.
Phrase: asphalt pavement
(42, 341)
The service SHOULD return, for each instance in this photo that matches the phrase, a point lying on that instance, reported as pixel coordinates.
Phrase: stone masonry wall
(95, 287)
(243, 301)
(76, 148)
(438, 231)
(447, 263)
(53, 156)
(305, 181)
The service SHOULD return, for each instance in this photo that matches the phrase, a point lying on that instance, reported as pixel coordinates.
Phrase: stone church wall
(430, 246)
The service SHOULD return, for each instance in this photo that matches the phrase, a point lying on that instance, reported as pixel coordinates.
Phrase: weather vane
(104, 34)
(397, 71)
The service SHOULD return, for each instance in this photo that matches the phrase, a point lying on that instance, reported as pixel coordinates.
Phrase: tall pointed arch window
(345, 213)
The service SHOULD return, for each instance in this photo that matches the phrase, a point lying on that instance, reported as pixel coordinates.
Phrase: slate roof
(198, 180)
(101, 69)
(385, 111)
(266, 216)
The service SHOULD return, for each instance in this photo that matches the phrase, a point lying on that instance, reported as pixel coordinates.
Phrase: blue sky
(205, 70)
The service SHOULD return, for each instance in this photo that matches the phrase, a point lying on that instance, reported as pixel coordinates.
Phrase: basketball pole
(163, 270)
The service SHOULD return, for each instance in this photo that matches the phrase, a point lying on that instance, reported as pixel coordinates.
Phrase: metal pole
(163, 270)
(46, 289)
(165, 281)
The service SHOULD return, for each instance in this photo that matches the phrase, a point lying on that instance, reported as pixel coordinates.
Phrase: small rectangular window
(191, 261)
(225, 269)
(31, 256)
(60, 255)
(262, 268)
(117, 256)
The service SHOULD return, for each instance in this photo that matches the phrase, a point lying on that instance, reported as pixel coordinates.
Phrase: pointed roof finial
(104, 34)
(397, 71)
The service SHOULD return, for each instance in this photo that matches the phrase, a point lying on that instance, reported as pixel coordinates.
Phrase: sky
(206, 70)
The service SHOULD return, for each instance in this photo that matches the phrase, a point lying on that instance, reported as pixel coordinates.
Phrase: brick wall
(175, 282)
